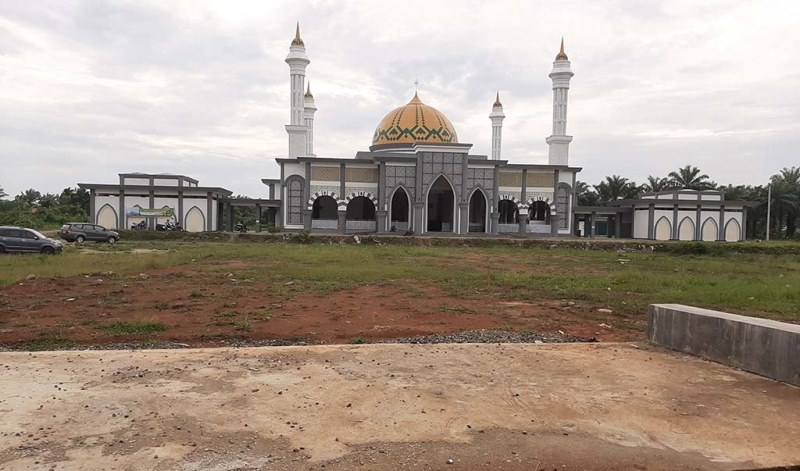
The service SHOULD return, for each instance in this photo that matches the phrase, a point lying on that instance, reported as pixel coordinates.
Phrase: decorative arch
(508, 212)
(710, 231)
(478, 212)
(324, 207)
(532, 200)
(295, 185)
(663, 229)
(107, 217)
(195, 220)
(317, 194)
(686, 229)
(398, 219)
(733, 231)
(441, 223)
(512, 198)
(355, 194)
(361, 208)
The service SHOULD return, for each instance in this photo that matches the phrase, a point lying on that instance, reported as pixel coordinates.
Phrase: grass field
(755, 284)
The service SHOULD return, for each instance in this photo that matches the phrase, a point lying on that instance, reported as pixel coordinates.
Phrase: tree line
(44, 211)
(785, 189)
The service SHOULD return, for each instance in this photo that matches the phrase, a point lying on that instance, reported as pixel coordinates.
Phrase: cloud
(91, 88)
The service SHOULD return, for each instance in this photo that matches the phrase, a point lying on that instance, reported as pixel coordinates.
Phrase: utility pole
(769, 206)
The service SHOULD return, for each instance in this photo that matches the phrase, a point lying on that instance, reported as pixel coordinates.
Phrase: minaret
(298, 62)
(559, 142)
(308, 118)
(497, 118)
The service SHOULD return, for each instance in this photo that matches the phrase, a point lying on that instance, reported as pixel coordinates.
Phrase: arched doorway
(441, 206)
(400, 214)
(733, 231)
(508, 212)
(477, 212)
(360, 214)
(324, 213)
(539, 211)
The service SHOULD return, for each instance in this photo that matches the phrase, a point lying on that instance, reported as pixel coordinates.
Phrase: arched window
(361, 208)
(325, 207)
(539, 211)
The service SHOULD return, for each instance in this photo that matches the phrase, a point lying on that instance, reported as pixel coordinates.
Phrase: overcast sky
(92, 88)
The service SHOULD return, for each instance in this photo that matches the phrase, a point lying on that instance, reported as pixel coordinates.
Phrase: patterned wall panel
(324, 174)
(363, 175)
(481, 177)
(295, 185)
(397, 175)
(513, 179)
(562, 204)
(447, 164)
(540, 179)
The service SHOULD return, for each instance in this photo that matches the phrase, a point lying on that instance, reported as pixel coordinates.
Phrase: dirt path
(566, 406)
(209, 304)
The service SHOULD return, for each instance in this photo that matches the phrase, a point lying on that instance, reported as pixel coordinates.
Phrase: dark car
(22, 239)
(82, 231)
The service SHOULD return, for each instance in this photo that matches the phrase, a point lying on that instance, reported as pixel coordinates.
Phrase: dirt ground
(522, 407)
(207, 304)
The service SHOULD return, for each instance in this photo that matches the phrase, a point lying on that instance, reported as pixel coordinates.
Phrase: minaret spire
(309, 108)
(497, 116)
(298, 61)
(558, 142)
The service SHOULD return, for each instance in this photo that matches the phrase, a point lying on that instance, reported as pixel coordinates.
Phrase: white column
(298, 61)
(558, 142)
(497, 117)
(308, 119)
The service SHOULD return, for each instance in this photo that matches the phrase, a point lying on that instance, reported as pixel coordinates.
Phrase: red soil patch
(205, 303)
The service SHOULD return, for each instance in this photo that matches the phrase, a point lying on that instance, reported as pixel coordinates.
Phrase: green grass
(134, 328)
(759, 284)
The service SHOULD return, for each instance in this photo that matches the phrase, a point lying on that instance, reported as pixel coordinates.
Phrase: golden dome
(415, 122)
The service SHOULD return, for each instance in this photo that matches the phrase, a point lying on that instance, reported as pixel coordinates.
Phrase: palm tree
(586, 196)
(656, 184)
(785, 202)
(3, 193)
(615, 187)
(29, 197)
(690, 177)
(792, 178)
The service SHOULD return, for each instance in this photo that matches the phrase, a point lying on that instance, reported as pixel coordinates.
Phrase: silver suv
(22, 239)
(79, 232)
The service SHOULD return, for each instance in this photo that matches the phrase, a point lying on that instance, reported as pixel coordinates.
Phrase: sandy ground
(531, 407)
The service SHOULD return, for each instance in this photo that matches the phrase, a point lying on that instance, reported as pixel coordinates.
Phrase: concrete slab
(584, 406)
(763, 346)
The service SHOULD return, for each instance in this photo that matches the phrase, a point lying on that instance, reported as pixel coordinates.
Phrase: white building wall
(165, 182)
(136, 181)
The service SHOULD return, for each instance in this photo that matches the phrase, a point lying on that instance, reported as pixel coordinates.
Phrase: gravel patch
(491, 336)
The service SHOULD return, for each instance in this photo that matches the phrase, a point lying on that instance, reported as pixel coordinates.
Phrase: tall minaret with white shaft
(497, 118)
(297, 60)
(558, 153)
(308, 119)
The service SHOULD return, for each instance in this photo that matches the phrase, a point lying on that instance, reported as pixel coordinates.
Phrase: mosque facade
(417, 176)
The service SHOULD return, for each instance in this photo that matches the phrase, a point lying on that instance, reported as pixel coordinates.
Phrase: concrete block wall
(766, 347)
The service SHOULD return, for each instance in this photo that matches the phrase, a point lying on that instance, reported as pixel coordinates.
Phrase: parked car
(22, 239)
(80, 232)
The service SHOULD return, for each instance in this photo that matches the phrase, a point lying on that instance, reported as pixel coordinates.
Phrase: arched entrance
(710, 230)
(663, 230)
(324, 213)
(360, 214)
(441, 206)
(477, 212)
(686, 229)
(107, 217)
(539, 211)
(508, 212)
(400, 214)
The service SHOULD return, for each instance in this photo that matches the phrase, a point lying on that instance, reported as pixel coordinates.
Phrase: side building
(156, 198)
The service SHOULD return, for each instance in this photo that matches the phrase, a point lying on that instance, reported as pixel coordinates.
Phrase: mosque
(418, 176)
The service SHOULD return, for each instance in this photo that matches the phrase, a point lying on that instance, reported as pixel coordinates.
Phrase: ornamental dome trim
(415, 122)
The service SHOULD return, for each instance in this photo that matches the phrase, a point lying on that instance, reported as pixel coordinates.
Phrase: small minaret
(298, 61)
(308, 117)
(497, 118)
(558, 142)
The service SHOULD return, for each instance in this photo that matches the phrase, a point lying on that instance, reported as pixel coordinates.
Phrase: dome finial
(308, 90)
(297, 41)
(497, 100)
(562, 56)
(416, 99)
